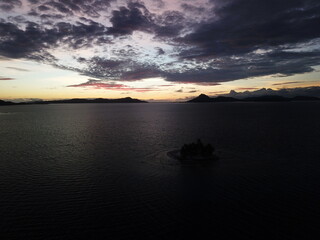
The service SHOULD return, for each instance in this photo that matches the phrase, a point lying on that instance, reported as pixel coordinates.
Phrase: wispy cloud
(285, 83)
(247, 88)
(18, 69)
(96, 84)
(5, 78)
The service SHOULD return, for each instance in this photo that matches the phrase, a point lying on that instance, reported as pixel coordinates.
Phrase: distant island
(78, 100)
(202, 98)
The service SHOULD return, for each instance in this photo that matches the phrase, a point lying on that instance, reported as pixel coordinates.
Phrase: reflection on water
(99, 170)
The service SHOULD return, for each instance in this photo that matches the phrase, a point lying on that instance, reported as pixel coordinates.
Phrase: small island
(194, 152)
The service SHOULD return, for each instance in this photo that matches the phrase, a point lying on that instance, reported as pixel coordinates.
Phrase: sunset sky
(156, 49)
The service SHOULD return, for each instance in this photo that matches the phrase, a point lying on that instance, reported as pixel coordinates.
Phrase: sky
(156, 50)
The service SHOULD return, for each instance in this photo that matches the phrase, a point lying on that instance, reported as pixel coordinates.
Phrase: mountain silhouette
(5, 103)
(78, 100)
(266, 98)
(97, 100)
(205, 98)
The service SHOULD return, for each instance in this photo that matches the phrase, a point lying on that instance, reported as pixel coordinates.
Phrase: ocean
(100, 171)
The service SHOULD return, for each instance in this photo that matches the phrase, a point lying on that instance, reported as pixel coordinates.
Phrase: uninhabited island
(194, 152)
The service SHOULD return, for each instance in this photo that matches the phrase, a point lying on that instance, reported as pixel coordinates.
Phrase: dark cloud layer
(131, 18)
(136, 17)
(9, 5)
(242, 26)
(17, 43)
(238, 39)
(34, 41)
(91, 8)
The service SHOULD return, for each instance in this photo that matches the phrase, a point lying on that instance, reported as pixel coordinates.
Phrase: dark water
(100, 170)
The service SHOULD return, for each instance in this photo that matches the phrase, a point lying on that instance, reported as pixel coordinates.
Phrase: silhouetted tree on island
(195, 150)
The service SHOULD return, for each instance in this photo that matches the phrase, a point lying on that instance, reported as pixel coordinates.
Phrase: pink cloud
(94, 84)
(6, 78)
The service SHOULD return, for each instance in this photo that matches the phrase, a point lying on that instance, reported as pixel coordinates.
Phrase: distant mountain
(79, 100)
(275, 98)
(97, 100)
(5, 103)
(305, 98)
(205, 98)
(224, 99)
(201, 98)
(265, 98)
(313, 91)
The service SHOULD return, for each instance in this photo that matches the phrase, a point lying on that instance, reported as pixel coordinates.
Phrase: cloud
(5, 78)
(247, 88)
(218, 92)
(140, 73)
(192, 8)
(123, 69)
(91, 8)
(9, 5)
(97, 84)
(136, 17)
(285, 83)
(16, 43)
(160, 51)
(182, 91)
(248, 66)
(159, 3)
(131, 18)
(169, 24)
(200, 42)
(242, 26)
(34, 42)
(165, 85)
(18, 69)
(254, 38)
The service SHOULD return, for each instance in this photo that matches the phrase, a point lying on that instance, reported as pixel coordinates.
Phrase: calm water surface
(101, 170)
